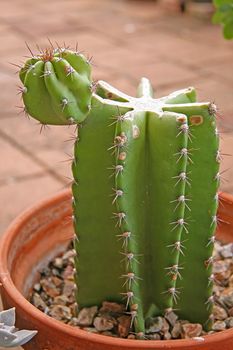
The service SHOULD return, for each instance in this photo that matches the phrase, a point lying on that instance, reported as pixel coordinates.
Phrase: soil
(54, 295)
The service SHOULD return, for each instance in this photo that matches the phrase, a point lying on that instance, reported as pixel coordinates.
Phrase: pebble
(49, 287)
(154, 324)
(90, 329)
(68, 273)
(231, 281)
(46, 271)
(165, 326)
(229, 322)
(227, 299)
(38, 302)
(58, 262)
(60, 312)
(109, 334)
(217, 248)
(131, 336)
(68, 289)
(171, 317)
(226, 251)
(221, 270)
(86, 316)
(112, 307)
(217, 290)
(44, 296)
(154, 336)
(176, 330)
(56, 272)
(123, 326)
(69, 254)
(61, 300)
(191, 330)
(230, 311)
(219, 326)
(219, 313)
(74, 308)
(104, 323)
(73, 322)
(167, 336)
(37, 287)
(56, 281)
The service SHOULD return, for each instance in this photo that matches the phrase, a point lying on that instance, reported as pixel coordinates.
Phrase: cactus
(146, 174)
(60, 87)
(10, 336)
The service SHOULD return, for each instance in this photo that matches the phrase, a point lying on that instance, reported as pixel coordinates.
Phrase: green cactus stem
(144, 191)
(141, 190)
(203, 168)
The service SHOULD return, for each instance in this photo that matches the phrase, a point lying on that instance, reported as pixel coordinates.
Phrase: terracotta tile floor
(128, 39)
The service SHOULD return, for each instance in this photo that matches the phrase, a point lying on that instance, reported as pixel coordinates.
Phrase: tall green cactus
(144, 191)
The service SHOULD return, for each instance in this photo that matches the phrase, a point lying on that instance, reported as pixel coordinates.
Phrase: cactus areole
(146, 174)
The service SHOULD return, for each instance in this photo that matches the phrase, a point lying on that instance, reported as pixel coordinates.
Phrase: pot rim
(22, 303)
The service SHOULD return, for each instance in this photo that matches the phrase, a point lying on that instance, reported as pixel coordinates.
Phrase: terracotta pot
(41, 233)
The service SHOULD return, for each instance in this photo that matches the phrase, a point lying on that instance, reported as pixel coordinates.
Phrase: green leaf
(228, 30)
(217, 18)
(222, 2)
(224, 16)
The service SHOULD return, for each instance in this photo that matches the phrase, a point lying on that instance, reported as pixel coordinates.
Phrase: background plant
(10, 336)
(224, 16)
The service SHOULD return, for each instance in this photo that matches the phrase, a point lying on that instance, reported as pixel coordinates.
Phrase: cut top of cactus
(145, 102)
(57, 87)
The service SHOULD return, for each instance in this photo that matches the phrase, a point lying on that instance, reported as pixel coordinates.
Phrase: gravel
(54, 295)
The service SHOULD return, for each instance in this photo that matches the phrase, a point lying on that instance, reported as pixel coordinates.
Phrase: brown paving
(128, 39)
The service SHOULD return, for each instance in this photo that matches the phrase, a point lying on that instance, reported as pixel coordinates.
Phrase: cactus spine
(144, 192)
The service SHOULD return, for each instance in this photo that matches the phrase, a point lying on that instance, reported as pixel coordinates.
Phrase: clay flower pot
(37, 236)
